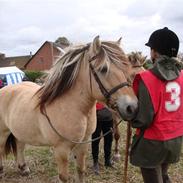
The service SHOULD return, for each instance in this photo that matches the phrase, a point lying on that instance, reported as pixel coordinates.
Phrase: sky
(26, 24)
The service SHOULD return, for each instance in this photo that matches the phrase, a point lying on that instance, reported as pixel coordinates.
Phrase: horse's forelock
(115, 54)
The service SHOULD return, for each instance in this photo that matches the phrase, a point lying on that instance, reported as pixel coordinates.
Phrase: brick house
(18, 61)
(44, 58)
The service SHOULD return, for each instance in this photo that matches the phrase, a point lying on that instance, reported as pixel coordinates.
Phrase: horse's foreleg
(80, 154)
(116, 121)
(1, 160)
(61, 153)
(1, 157)
(23, 168)
(117, 155)
(3, 139)
(1, 167)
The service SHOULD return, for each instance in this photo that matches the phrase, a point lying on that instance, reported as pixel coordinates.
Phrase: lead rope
(76, 142)
(128, 140)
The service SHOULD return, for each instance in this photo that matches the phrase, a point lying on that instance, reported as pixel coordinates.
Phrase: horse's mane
(136, 58)
(65, 70)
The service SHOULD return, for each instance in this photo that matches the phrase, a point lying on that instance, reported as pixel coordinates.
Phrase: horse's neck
(77, 99)
(80, 92)
(84, 97)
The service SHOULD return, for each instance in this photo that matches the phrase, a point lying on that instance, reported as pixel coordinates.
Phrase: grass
(43, 167)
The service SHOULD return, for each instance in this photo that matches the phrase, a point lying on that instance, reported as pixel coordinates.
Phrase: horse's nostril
(131, 109)
(127, 108)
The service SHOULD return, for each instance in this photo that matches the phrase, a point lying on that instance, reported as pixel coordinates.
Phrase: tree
(63, 42)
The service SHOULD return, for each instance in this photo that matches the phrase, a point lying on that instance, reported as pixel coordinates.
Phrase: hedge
(33, 75)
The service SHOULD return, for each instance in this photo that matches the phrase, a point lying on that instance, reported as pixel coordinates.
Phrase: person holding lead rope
(159, 120)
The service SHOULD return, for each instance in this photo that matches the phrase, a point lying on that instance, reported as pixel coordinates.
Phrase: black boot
(96, 167)
(108, 163)
(108, 145)
(164, 168)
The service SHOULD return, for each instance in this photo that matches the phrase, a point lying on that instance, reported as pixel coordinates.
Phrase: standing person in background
(104, 124)
(1, 83)
(159, 120)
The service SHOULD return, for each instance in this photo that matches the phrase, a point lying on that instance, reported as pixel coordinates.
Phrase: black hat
(164, 41)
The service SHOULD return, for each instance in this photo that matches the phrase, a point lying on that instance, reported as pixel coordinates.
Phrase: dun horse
(62, 112)
(137, 60)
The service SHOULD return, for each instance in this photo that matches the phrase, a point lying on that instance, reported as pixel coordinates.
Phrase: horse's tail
(11, 145)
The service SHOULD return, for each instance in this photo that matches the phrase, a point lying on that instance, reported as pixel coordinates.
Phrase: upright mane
(65, 71)
(136, 58)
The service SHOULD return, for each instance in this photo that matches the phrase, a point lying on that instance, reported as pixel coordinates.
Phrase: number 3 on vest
(173, 88)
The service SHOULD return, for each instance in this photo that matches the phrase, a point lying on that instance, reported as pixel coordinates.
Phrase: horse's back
(17, 92)
(18, 99)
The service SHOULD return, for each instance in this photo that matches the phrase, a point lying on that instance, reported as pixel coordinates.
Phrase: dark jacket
(104, 115)
(151, 153)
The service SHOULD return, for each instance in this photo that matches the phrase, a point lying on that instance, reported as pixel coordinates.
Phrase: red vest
(167, 100)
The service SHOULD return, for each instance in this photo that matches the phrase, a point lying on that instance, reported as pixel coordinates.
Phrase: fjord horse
(62, 113)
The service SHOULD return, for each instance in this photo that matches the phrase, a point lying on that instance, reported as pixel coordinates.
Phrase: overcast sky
(26, 24)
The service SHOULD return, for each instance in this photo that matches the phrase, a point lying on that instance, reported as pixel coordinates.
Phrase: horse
(137, 61)
(62, 112)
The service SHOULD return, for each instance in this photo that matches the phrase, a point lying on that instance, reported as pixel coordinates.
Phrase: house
(18, 61)
(44, 58)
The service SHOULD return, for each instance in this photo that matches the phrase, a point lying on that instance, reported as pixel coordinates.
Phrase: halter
(107, 94)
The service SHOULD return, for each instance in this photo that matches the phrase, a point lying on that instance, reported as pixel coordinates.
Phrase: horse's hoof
(24, 170)
(55, 179)
(116, 157)
(1, 173)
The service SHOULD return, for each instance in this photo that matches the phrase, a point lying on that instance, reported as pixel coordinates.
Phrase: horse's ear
(119, 41)
(129, 58)
(96, 45)
(145, 57)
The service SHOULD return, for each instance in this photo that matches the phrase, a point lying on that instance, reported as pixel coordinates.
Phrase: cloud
(141, 8)
(25, 25)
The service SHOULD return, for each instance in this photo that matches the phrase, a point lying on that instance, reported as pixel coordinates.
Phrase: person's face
(154, 55)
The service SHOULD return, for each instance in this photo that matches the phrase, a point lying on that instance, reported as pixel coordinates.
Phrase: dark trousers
(102, 126)
(156, 175)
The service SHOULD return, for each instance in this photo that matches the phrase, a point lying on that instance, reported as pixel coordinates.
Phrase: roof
(55, 45)
(19, 61)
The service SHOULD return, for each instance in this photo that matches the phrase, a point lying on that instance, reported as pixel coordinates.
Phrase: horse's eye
(103, 70)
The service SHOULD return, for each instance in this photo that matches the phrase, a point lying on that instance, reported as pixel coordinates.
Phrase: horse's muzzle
(127, 107)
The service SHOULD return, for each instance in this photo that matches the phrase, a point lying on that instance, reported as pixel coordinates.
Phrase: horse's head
(136, 60)
(109, 79)
(96, 71)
